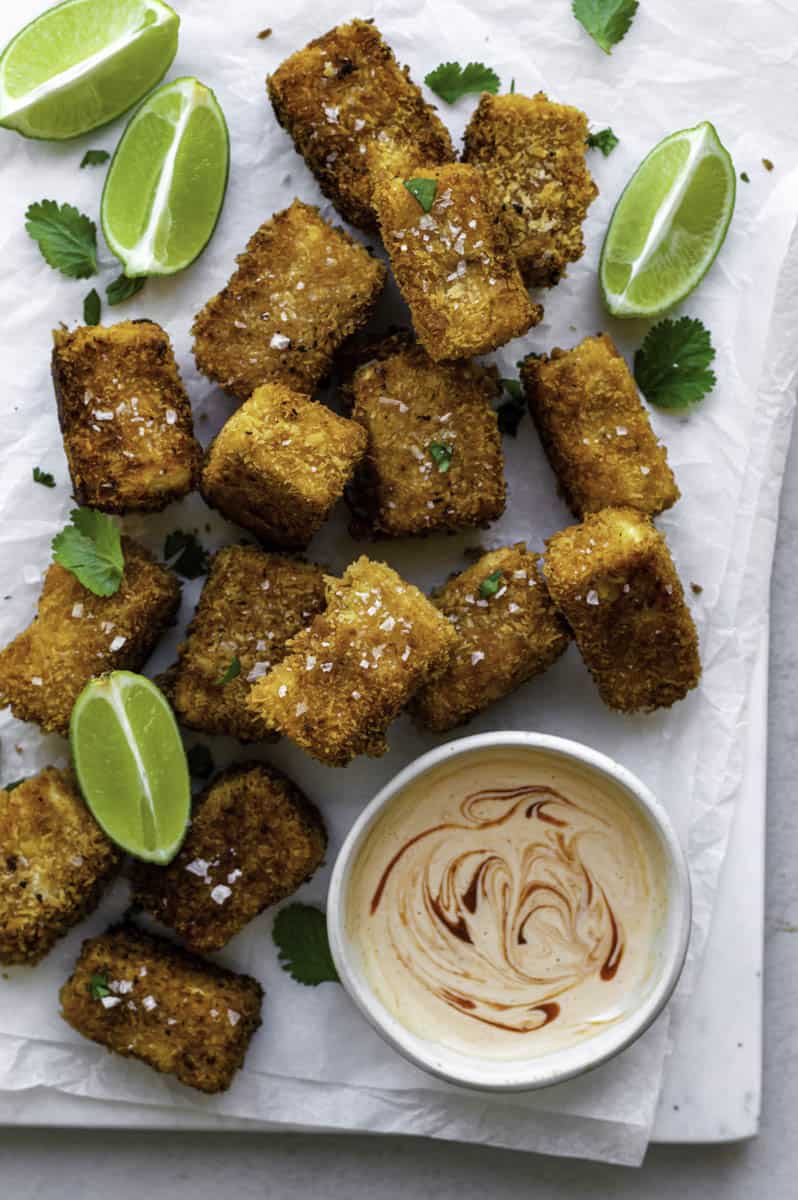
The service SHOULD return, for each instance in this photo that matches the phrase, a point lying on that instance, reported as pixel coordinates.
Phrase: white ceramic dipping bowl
(523, 1073)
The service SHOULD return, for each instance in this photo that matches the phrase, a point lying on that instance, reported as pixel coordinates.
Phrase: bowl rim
(528, 1074)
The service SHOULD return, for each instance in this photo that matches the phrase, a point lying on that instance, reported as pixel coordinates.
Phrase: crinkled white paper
(315, 1063)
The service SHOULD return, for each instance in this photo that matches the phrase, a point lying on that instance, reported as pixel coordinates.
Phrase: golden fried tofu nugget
(280, 463)
(533, 154)
(341, 94)
(356, 667)
(452, 263)
(595, 430)
(76, 635)
(55, 862)
(251, 604)
(434, 457)
(300, 289)
(508, 630)
(145, 998)
(614, 581)
(254, 839)
(125, 417)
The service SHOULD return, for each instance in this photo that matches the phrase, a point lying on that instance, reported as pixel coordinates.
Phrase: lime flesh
(131, 765)
(82, 63)
(669, 224)
(165, 186)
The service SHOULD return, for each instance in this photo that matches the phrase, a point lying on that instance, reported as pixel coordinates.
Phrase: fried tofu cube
(508, 631)
(300, 289)
(54, 865)
(251, 604)
(613, 579)
(279, 464)
(343, 93)
(533, 154)
(452, 263)
(595, 430)
(125, 417)
(144, 998)
(77, 635)
(254, 839)
(356, 667)
(434, 458)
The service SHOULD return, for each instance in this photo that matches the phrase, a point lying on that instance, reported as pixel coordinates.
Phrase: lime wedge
(131, 765)
(669, 224)
(82, 63)
(165, 186)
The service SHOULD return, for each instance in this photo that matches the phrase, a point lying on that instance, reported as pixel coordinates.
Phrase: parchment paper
(315, 1063)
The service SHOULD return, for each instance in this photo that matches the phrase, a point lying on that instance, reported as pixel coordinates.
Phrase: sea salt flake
(592, 597)
(117, 643)
(110, 1001)
(233, 1017)
(279, 341)
(149, 1002)
(221, 893)
(171, 416)
(301, 708)
(476, 657)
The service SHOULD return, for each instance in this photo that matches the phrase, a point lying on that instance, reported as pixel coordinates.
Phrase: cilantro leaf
(672, 365)
(746, 178)
(231, 671)
(605, 141)
(422, 190)
(191, 559)
(123, 288)
(9, 787)
(92, 308)
(66, 238)
(200, 761)
(450, 81)
(43, 477)
(94, 158)
(98, 987)
(511, 412)
(490, 584)
(441, 454)
(92, 550)
(607, 21)
(300, 935)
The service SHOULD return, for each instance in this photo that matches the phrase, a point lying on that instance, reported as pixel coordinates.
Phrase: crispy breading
(279, 464)
(356, 667)
(533, 154)
(76, 635)
(613, 579)
(301, 287)
(340, 94)
(254, 839)
(55, 862)
(453, 264)
(251, 604)
(125, 417)
(595, 430)
(508, 630)
(177, 1013)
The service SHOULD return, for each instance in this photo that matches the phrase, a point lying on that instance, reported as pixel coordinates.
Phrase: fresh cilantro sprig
(300, 935)
(422, 190)
(672, 367)
(491, 584)
(91, 549)
(441, 455)
(191, 559)
(92, 308)
(511, 412)
(607, 21)
(98, 987)
(450, 81)
(200, 761)
(232, 670)
(123, 288)
(604, 140)
(43, 477)
(94, 158)
(65, 236)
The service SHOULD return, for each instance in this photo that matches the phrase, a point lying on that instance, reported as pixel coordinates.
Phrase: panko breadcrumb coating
(76, 635)
(613, 579)
(251, 604)
(254, 839)
(357, 666)
(338, 96)
(453, 264)
(279, 464)
(533, 154)
(595, 430)
(177, 1013)
(300, 289)
(55, 862)
(412, 409)
(125, 417)
(508, 630)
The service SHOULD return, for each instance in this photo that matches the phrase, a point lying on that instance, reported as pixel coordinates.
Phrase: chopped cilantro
(98, 987)
(233, 669)
(94, 158)
(490, 584)
(604, 140)
(200, 761)
(513, 389)
(767, 164)
(512, 86)
(511, 412)
(66, 238)
(123, 288)
(672, 367)
(92, 308)
(607, 21)
(442, 455)
(450, 81)
(191, 558)
(43, 477)
(9, 787)
(92, 550)
(264, 33)
(745, 177)
(300, 935)
(422, 190)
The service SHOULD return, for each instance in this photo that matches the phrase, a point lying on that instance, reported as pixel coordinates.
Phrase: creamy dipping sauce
(508, 904)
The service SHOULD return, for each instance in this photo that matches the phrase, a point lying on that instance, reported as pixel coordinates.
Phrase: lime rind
(704, 150)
